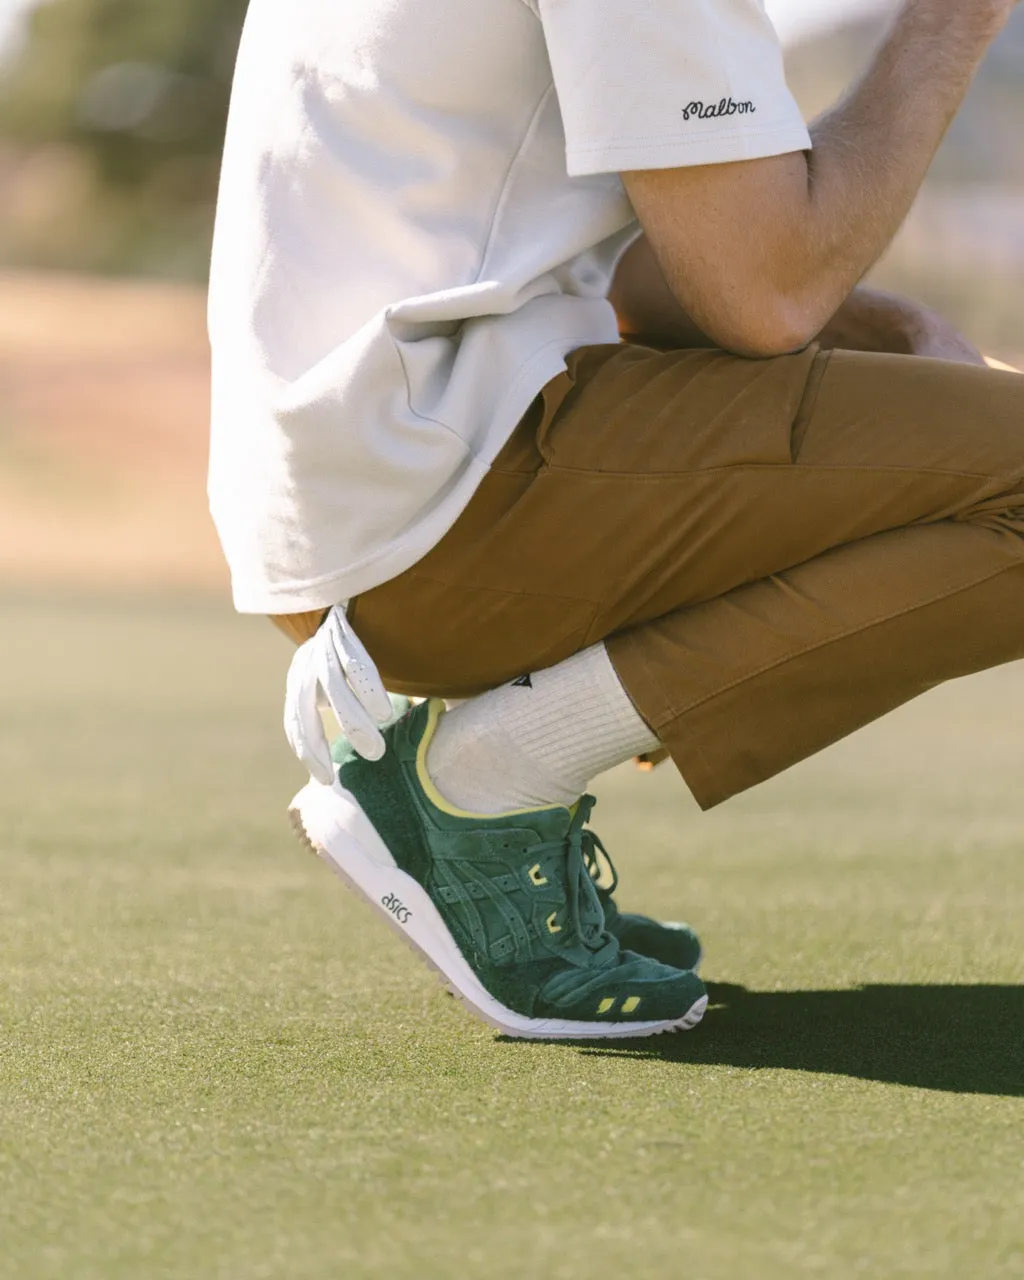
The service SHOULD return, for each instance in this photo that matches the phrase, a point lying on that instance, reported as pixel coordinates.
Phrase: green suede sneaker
(667, 942)
(504, 907)
(676, 945)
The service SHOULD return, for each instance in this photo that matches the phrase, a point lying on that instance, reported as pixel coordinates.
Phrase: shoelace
(585, 916)
(591, 846)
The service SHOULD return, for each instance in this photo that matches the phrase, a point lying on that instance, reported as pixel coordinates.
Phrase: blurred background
(212, 1062)
(111, 119)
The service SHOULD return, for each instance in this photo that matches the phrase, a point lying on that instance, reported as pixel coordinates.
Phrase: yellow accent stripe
(631, 1005)
(605, 1005)
(435, 709)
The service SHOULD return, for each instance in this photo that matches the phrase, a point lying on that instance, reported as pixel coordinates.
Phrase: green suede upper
(516, 893)
(676, 945)
(673, 944)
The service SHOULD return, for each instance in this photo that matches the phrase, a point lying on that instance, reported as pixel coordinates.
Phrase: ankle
(477, 768)
(539, 740)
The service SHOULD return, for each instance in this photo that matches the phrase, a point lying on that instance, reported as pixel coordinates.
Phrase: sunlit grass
(216, 1063)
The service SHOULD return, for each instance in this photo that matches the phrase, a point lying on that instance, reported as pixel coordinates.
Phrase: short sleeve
(659, 84)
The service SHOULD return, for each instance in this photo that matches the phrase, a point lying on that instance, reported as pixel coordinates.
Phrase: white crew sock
(538, 740)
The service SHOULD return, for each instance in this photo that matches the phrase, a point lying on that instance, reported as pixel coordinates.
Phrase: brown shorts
(777, 551)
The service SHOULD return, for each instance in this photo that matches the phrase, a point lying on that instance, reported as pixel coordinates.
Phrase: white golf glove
(335, 662)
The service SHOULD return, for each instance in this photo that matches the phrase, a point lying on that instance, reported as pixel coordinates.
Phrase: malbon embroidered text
(712, 110)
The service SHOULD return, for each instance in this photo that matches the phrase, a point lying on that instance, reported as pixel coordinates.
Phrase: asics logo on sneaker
(397, 908)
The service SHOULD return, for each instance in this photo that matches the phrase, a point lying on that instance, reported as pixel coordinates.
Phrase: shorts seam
(809, 403)
(635, 650)
(805, 468)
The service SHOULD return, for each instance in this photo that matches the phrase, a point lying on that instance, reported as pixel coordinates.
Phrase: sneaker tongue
(590, 913)
(556, 823)
(564, 827)
(548, 824)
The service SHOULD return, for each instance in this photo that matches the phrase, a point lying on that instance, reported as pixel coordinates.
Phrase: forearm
(868, 319)
(762, 253)
(648, 312)
(646, 309)
(872, 151)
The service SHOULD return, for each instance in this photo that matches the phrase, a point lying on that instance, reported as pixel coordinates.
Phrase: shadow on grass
(958, 1039)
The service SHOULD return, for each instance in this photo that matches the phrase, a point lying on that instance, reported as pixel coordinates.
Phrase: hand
(334, 661)
(928, 334)
(871, 320)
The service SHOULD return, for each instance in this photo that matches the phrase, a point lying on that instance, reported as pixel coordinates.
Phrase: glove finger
(295, 694)
(359, 668)
(302, 724)
(356, 722)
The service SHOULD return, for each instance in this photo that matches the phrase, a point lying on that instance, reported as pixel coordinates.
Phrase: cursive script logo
(712, 110)
(397, 908)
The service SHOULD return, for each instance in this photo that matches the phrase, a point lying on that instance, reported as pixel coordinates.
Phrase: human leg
(929, 587)
(506, 907)
(664, 498)
(539, 739)
(526, 575)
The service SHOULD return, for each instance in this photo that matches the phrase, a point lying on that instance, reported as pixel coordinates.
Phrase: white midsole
(339, 830)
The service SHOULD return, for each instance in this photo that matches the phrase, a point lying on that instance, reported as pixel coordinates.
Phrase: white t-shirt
(420, 215)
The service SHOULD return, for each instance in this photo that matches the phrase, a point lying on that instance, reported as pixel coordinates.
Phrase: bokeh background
(111, 119)
(214, 1063)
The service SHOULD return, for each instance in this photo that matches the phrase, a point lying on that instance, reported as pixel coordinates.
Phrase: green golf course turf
(216, 1062)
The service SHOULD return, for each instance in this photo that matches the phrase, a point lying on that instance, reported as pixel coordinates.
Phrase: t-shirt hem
(719, 148)
(394, 559)
(344, 584)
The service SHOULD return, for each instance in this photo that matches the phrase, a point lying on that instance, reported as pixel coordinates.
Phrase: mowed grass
(216, 1062)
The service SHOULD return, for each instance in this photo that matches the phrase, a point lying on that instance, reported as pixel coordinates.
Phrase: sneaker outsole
(332, 823)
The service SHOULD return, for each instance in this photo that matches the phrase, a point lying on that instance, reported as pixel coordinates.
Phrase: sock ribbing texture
(539, 740)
